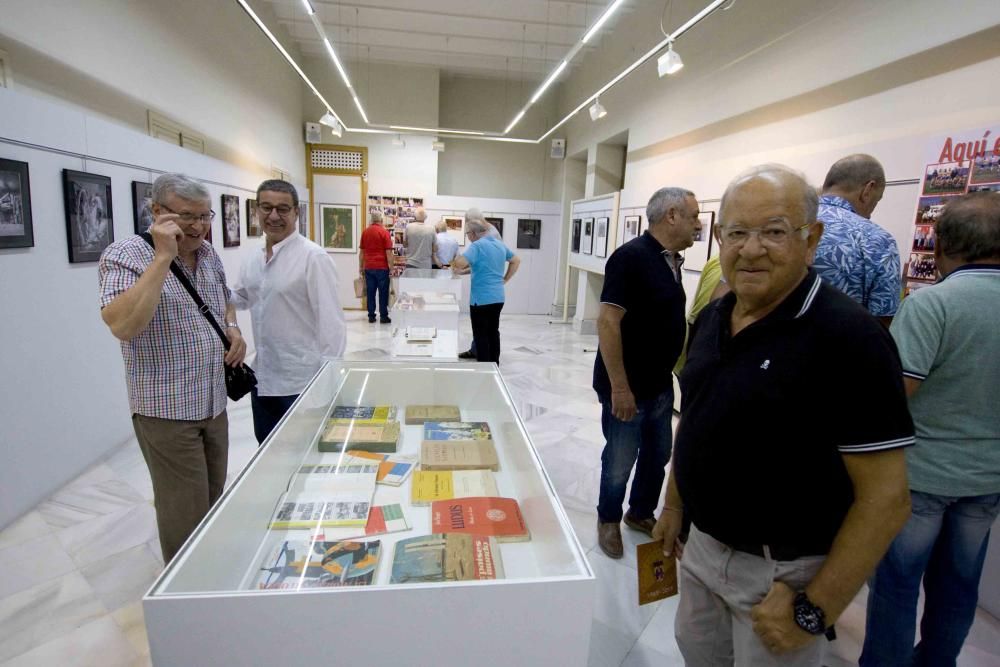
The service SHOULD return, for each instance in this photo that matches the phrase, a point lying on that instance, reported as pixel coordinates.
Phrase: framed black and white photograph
(89, 221)
(529, 234)
(253, 222)
(577, 230)
(496, 222)
(630, 227)
(15, 205)
(601, 237)
(697, 255)
(587, 244)
(142, 203)
(230, 221)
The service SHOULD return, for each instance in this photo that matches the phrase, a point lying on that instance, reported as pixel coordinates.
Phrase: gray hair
(376, 216)
(420, 214)
(180, 185)
(969, 227)
(776, 172)
(853, 172)
(474, 214)
(663, 200)
(278, 185)
(476, 226)
(440, 225)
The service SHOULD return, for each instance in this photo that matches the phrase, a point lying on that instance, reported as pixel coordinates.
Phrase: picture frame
(576, 231)
(587, 242)
(230, 221)
(601, 237)
(254, 228)
(456, 227)
(304, 226)
(529, 234)
(697, 255)
(89, 215)
(339, 225)
(631, 226)
(946, 178)
(142, 202)
(496, 222)
(16, 229)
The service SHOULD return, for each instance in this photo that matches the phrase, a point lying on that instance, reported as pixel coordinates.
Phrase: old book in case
(498, 517)
(445, 455)
(457, 431)
(382, 437)
(445, 557)
(311, 563)
(393, 469)
(431, 485)
(419, 414)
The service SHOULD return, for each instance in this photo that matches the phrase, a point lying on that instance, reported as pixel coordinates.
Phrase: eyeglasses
(282, 211)
(772, 237)
(191, 217)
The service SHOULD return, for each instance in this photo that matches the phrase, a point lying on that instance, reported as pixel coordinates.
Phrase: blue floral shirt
(858, 257)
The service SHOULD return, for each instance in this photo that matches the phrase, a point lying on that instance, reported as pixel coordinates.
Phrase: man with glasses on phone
(290, 288)
(789, 455)
(173, 357)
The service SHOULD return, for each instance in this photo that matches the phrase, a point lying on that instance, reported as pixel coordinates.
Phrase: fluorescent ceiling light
(517, 119)
(598, 111)
(548, 82)
(601, 21)
(436, 130)
(357, 103)
(310, 10)
(669, 63)
(336, 61)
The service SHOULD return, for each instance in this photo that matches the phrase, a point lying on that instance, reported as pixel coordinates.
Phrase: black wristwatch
(808, 616)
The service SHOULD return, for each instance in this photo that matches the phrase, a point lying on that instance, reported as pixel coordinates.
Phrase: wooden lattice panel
(337, 159)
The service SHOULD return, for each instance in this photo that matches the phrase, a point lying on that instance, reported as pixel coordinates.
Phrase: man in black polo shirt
(789, 453)
(641, 329)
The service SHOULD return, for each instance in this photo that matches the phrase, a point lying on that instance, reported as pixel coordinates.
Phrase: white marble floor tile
(132, 622)
(584, 525)
(645, 656)
(95, 475)
(41, 613)
(80, 503)
(616, 601)
(658, 635)
(99, 538)
(100, 643)
(32, 562)
(137, 477)
(29, 526)
(608, 645)
(126, 456)
(123, 577)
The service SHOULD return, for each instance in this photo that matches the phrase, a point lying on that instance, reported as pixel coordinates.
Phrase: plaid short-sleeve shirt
(174, 367)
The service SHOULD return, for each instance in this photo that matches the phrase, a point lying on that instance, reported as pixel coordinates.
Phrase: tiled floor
(73, 570)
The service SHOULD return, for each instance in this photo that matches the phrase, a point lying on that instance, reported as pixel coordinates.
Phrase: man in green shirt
(950, 349)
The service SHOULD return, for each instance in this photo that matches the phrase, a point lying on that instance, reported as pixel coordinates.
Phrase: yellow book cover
(431, 485)
(375, 438)
(657, 573)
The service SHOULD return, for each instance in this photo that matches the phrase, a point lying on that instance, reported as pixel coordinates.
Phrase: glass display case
(206, 607)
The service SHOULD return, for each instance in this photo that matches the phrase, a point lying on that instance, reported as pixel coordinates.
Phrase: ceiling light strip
(321, 31)
(601, 21)
(435, 130)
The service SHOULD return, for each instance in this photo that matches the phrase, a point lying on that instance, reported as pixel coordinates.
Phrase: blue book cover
(457, 431)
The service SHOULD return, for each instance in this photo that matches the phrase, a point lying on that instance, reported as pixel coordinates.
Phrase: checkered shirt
(174, 367)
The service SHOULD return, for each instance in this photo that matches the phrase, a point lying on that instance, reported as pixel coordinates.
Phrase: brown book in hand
(657, 573)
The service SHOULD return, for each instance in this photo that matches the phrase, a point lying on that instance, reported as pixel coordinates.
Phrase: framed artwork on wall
(601, 237)
(15, 205)
(496, 222)
(89, 220)
(253, 222)
(696, 256)
(230, 221)
(630, 227)
(587, 244)
(339, 225)
(577, 229)
(142, 202)
(303, 226)
(529, 234)
(456, 227)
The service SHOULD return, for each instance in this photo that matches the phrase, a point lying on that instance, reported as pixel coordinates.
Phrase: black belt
(774, 552)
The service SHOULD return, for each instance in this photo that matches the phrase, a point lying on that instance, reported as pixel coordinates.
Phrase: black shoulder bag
(239, 380)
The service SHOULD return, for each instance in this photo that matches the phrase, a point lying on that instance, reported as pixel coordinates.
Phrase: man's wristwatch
(808, 616)
(230, 325)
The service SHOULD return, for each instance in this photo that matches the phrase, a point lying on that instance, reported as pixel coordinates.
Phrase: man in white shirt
(290, 288)
(421, 242)
(447, 247)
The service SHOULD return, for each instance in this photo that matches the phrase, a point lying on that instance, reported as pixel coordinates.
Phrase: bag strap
(202, 306)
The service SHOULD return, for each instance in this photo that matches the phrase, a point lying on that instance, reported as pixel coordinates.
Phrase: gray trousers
(187, 462)
(718, 587)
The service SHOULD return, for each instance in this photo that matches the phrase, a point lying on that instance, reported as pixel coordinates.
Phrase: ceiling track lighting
(670, 62)
(331, 122)
(597, 111)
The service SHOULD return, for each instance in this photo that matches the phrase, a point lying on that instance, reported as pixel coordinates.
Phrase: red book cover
(498, 517)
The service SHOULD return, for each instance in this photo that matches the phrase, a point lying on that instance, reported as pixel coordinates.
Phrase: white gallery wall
(63, 382)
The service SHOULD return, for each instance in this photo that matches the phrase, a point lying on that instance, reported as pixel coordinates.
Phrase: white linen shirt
(297, 319)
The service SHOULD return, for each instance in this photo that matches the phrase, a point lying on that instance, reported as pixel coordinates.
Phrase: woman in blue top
(485, 258)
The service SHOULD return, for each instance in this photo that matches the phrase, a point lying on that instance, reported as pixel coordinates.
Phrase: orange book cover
(657, 573)
(484, 515)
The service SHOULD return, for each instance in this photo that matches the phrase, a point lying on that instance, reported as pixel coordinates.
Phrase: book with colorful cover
(308, 512)
(445, 557)
(383, 437)
(448, 455)
(657, 573)
(350, 480)
(431, 485)
(419, 414)
(299, 564)
(381, 413)
(457, 431)
(497, 517)
(393, 469)
(382, 520)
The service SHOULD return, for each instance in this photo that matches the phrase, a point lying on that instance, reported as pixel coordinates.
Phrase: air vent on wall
(337, 159)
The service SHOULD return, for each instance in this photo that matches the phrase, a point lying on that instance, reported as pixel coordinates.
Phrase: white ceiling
(511, 39)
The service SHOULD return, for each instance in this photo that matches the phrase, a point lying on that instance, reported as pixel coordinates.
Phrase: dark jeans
(267, 412)
(944, 541)
(486, 331)
(377, 279)
(646, 438)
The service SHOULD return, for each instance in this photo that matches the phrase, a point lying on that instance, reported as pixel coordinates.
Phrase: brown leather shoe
(609, 538)
(642, 525)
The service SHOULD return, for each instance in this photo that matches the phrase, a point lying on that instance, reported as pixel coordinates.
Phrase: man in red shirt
(374, 261)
